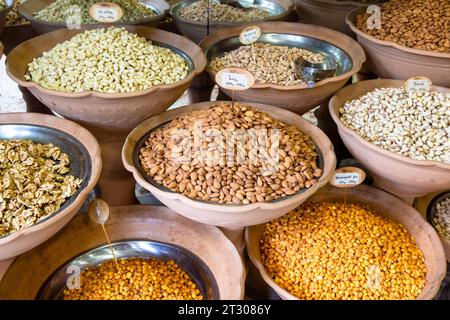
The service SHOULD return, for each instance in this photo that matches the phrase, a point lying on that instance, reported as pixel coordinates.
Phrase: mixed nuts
(34, 183)
(337, 251)
(270, 64)
(109, 60)
(231, 154)
(413, 124)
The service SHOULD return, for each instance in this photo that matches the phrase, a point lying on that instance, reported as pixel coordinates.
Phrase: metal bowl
(200, 273)
(336, 47)
(85, 163)
(280, 10)
(30, 7)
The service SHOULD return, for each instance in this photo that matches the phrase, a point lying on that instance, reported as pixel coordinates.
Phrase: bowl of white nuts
(272, 61)
(50, 15)
(191, 16)
(110, 78)
(229, 166)
(400, 136)
(438, 214)
(49, 166)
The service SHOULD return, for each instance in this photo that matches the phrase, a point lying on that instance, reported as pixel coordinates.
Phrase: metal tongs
(313, 72)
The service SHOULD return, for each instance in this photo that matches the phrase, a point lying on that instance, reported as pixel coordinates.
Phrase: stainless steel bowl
(272, 7)
(80, 159)
(54, 286)
(331, 52)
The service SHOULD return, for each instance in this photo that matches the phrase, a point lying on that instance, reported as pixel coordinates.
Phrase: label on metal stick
(418, 84)
(250, 35)
(235, 79)
(347, 177)
(106, 12)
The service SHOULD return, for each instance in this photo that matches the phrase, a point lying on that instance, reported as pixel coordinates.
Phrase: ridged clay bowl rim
(70, 128)
(34, 20)
(290, 6)
(379, 83)
(299, 29)
(198, 59)
(326, 149)
(350, 20)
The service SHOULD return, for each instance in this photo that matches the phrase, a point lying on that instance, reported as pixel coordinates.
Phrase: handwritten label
(106, 12)
(235, 79)
(418, 83)
(250, 35)
(348, 177)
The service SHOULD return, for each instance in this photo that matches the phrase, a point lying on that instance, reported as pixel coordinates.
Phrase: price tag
(250, 35)
(106, 12)
(235, 79)
(418, 83)
(347, 177)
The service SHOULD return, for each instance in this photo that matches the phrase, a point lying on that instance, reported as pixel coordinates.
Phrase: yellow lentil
(336, 251)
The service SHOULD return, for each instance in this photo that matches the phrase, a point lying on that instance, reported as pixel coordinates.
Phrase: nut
(61, 10)
(34, 183)
(341, 252)
(198, 11)
(423, 24)
(224, 163)
(137, 279)
(413, 124)
(268, 63)
(109, 60)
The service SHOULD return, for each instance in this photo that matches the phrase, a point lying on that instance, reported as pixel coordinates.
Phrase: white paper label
(250, 35)
(234, 79)
(106, 12)
(418, 83)
(350, 178)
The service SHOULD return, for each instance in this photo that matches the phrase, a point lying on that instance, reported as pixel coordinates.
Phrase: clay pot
(197, 31)
(30, 7)
(14, 35)
(116, 111)
(392, 61)
(109, 116)
(226, 215)
(74, 140)
(299, 98)
(3, 14)
(327, 13)
(402, 176)
(131, 222)
(385, 204)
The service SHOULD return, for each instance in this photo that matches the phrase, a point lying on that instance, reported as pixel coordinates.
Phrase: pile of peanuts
(137, 279)
(342, 252)
(218, 12)
(226, 165)
(413, 124)
(270, 64)
(420, 24)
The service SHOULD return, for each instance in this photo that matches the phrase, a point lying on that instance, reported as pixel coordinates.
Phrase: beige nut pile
(420, 24)
(198, 11)
(224, 171)
(109, 60)
(337, 251)
(34, 183)
(270, 64)
(412, 124)
(137, 279)
(441, 219)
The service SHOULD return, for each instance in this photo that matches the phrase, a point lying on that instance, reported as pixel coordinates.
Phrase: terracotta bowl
(86, 163)
(225, 215)
(392, 61)
(327, 13)
(30, 7)
(390, 207)
(430, 215)
(117, 111)
(340, 48)
(280, 10)
(14, 35)
(3, 14)
(402, 176)
(130, 222)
